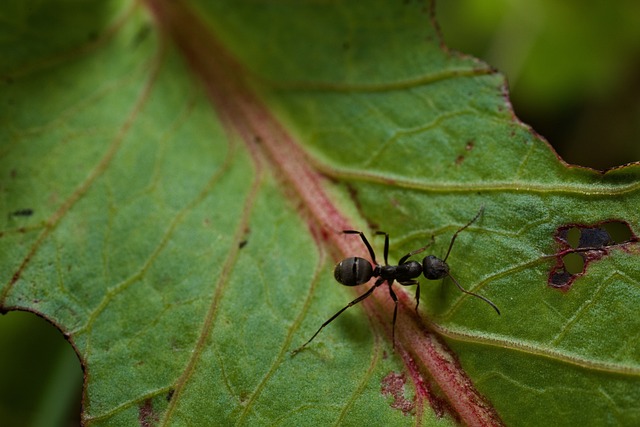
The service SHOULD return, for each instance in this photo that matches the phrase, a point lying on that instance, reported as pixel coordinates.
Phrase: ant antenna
(473, 293)
(435, 268)
(455, 235)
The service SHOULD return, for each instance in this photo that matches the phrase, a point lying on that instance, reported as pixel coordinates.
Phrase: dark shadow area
(41, 376)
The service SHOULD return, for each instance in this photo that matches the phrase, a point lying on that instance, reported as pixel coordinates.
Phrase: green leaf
(175, 177)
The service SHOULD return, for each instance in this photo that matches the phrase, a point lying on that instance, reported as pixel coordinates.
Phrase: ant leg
(474, 294)
(386, 246)
(395, 312)
(417, 251)
(366, 243)
(453, 238)
(379, 282)
(414, 283)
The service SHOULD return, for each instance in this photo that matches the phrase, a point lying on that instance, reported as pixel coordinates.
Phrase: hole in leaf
(619, 231)
(560, 278)
(41, 383)
(581, 244)
(573, 263)
(596, 237)
(573, 237)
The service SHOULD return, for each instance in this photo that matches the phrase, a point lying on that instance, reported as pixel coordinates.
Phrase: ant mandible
(356, 271)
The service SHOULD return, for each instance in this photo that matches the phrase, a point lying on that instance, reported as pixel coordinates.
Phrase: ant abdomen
(353, 271)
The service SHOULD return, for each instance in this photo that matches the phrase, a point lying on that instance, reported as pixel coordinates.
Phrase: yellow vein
(125, 405)
(397, 181)
(581, 312)
(356, 87)
(100, 168)
(113, 291)
(373, 363)
(92, 45)
(220, 286)
(529, 348)
(320, 265)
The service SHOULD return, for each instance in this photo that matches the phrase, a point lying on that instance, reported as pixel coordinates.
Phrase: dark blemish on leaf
(13, 174)
(393, 385)
(22, 212)
(594, 238)
(245, 240)
(581, 244)
(560, 277)
(146, 416)
(170, 394)
(459, 160)
(469, 146)
(257, 139)
(141, 35)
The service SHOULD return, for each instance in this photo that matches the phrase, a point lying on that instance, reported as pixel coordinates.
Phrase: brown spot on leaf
(146, 416)
(581, 244)
(393, 385)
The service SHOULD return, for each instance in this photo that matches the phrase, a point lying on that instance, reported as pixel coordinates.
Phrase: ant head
(353, 271)
(434, 268)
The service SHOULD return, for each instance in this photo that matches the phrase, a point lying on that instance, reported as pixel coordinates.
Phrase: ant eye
(434, 268)
(353, 271)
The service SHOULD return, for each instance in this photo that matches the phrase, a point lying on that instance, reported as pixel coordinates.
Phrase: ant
(357, 271)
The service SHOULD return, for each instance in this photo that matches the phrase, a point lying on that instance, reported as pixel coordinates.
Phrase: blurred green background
(573, 68)
(574, 74)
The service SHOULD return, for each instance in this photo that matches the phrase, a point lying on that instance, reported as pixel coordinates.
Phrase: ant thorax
(401, 273)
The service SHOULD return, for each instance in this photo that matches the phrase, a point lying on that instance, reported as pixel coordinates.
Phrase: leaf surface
(188, 168)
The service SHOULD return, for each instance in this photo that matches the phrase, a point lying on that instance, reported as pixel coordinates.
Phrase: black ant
(357, 271)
